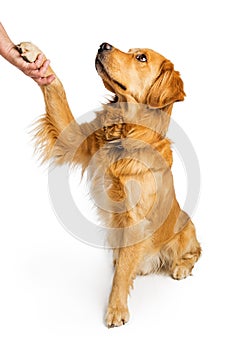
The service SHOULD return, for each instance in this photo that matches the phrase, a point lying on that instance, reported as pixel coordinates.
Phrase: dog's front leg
(125, 271)
(58, 136)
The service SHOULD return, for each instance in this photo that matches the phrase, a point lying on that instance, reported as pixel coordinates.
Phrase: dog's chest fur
(132, 166)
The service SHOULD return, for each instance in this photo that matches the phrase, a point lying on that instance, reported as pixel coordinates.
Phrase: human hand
(36, 70)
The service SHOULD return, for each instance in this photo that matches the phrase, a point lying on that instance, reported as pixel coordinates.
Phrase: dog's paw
(116, 316)
(28, 51)
(181, 272)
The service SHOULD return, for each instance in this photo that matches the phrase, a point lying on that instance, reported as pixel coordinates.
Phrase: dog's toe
(181, 272)
(116, 316)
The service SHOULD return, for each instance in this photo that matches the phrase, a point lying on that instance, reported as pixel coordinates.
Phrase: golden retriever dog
(129, 162)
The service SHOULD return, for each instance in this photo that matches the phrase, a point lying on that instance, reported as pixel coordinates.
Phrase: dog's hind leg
(182, 252)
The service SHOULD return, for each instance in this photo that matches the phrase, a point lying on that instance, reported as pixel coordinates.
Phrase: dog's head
(141, 75)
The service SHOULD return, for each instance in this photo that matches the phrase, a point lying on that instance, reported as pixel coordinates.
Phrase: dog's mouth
(105, 75)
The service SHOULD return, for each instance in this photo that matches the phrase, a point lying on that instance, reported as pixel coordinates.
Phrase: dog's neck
(123, 120)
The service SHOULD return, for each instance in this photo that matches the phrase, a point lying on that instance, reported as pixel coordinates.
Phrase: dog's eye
(141, 58)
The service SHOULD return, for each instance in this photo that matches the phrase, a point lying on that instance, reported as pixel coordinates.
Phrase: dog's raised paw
(116, 316)
(28, 51)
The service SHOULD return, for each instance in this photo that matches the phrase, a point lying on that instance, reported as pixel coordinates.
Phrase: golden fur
(129, 162)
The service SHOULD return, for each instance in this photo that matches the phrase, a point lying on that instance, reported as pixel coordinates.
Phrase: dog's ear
(167, 89)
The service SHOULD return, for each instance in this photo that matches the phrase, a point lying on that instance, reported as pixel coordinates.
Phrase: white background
(54, 289)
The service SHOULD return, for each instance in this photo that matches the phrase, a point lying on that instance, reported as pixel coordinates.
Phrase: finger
(44, 80)
(51, 78)
(44, 67)
(27, 66)
(39, 61)
(34, 73)
(37, 73)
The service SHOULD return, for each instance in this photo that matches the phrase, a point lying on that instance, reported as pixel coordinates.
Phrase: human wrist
(11, 55)
(7, 49)
(6, 45)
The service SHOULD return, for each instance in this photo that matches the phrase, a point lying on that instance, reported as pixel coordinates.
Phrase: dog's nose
(105, 47)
